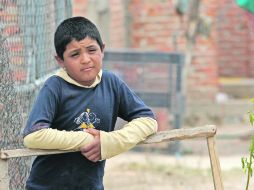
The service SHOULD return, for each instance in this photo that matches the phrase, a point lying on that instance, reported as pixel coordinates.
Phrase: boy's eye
(92, 50)
(75, 54)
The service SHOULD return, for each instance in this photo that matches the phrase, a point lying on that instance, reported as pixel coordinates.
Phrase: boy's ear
(103, 48)
(59, 61)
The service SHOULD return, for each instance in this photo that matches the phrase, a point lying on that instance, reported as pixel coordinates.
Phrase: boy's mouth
(86, 69)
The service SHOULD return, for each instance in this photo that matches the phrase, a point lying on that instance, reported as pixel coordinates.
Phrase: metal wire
(26, 58)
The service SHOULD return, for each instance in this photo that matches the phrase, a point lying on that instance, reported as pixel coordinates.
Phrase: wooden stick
(4, 177)
(176, 134)
(181, 134)
(215, 164)
(6, 154)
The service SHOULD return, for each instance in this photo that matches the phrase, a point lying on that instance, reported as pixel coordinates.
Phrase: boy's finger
(88, 147)
(90, 150)
(93, 131)
(92, 145)
(91, 154)
(94, 157)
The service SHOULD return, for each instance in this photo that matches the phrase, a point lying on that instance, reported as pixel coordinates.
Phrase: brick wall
(11, 31)
(250, 20)
(203, 74)
(118, 24)
(156, 25)
(114, 28)
(79, 7)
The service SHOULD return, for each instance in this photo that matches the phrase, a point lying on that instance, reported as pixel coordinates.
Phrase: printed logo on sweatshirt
(86, 120)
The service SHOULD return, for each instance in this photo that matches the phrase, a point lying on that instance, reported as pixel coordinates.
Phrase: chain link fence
(26, 59)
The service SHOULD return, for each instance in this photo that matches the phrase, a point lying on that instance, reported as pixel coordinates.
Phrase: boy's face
(82, 60)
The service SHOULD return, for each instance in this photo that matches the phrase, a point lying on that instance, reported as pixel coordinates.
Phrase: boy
(77, 109)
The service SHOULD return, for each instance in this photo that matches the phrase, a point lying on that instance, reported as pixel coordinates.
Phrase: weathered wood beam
(181, 134)
(163, 136)
(215, 164)
(4, 177)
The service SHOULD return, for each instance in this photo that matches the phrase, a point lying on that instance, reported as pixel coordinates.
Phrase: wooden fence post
(4, 177)
(215, 164)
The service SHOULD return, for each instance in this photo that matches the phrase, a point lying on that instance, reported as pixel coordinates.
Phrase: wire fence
(26, 58)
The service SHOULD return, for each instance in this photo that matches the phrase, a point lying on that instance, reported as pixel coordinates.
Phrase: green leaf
(252, 147)
(251, 118)
(243, 162)
(247, 164)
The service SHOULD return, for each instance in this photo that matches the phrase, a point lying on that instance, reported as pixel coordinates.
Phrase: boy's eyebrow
(91, 46)
(74, 50)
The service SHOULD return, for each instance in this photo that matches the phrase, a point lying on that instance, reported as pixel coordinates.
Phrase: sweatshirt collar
(63, 74)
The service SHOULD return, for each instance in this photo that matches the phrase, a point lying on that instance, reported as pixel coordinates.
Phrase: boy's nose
(85, 58)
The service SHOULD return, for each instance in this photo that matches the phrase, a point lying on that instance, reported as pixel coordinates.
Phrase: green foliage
(247, 162)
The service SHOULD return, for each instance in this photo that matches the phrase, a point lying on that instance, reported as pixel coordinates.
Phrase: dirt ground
(150, 167)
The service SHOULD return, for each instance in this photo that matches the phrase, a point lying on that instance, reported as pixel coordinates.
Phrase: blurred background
(195, 58)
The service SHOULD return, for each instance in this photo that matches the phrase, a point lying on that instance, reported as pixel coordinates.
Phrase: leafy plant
(247, 162)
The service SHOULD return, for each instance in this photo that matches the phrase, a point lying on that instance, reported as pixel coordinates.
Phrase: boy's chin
(87, 82)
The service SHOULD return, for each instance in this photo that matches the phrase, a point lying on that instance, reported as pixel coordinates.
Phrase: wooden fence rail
(207, 132)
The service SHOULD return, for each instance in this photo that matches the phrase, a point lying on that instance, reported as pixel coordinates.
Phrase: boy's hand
(92, 151)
